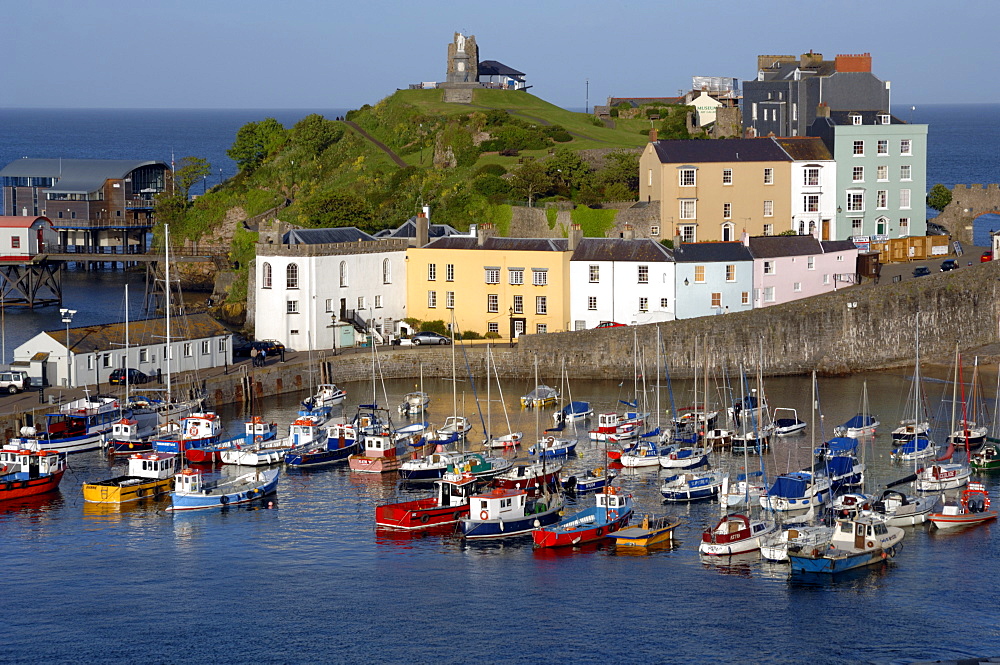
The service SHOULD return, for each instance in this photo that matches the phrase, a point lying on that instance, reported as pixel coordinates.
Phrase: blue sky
(336, 54)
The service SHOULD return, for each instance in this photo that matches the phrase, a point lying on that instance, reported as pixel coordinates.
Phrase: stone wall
(967, 203)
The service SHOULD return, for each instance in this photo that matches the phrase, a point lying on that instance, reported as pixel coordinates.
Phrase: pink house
(787, 268)
(24, 236)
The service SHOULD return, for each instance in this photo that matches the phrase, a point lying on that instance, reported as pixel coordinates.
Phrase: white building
(623, 280)
(813, 188)
(197, 342)
(312, 285)
(25, 236)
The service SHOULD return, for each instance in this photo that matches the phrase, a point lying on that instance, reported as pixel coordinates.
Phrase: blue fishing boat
(339, 442)
(856, 542)
(193, 492)
(690, 486)
(612, 511)
(509, 512)
(551, 446)
(78, 426)
(589, 480)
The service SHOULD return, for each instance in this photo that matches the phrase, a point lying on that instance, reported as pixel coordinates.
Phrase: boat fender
(884, 555)
(141, 492)
(483, 515)
(870, 544)
(224, 499)
(458, 515)
(501, 525)
(424, 518)
(537, 523)
(249, 494)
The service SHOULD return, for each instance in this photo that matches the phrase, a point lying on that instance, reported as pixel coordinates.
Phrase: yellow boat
(652, 531)
(149, 475)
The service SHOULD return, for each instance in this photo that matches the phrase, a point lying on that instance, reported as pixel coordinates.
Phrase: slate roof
(75, 176)
(108, 337)
(786, 70)
(494, 68)
(771, 247)
(695, 151)
(502, 244)
(708, 252)
(805, 148)
(324, 236)
(619, 249)
(837, 245)
(867, 118)
(408, 229)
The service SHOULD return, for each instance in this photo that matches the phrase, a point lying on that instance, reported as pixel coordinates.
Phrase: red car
(609, 324)
(987, 256)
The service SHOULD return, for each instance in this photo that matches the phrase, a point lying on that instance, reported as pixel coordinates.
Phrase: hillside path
(383, 147)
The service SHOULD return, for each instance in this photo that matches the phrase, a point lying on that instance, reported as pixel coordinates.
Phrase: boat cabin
(188, 481)
(34, 463)
(152, 465)
(258, 429)
(455, 489)
(500, 504)
(344, 433)
(380, 445)
(305, 431)
(201, 426)
(125, 429)
(857, 532)
(734, 528)
(607, 423)
(611, 500)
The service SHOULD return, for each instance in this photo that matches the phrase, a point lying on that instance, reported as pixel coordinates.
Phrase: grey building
(783, 97)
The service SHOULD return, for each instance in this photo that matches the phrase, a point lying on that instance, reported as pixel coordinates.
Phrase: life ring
(549, 440)
(258, 438)
(424, 518)
(141, 492)
(193, 430)
(224, 500)
(484, 515)
(870, 544)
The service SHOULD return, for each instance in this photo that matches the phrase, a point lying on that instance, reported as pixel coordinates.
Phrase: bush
(492, 335)
(471, 334)
(491, 169)
(434, 326)
(557, 133)
(491, 186)
(596, 122)
(518, 138)
(613, 112)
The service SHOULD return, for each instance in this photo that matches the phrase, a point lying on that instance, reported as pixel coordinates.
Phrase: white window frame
(449, 272)
(769, 208)
(858, 149)
(768, 294)
(492, 303)
(541, 305)
(882, 147)
(855, 201)
(810, 203)
(519, 304)
(643, 304)
(539, 277)
(730, 272)
(727, 176)
(515, 276)
(727, 211)
(882, 199)
(768, 175)
(492, 275)
(642, 274)
(769, 267)
(905, 172)
(905, 147)
(769, 229)
(291, 307)
(432, 272)
(386, 271)
(857, 174)
(265, 276)
(594, 272)
(699, 270)
(654, 230)
(810, 263)
(541, 328)
(689, 233)
(378, 301)
(432, 297)
(810, 177)
(493, 327)
(688, 208)
(292, 276)
(905, 200)
(687, 177)
(882, 173)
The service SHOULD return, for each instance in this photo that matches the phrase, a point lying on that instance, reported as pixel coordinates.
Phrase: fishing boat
(863, 424)
(856, 542)
(612, 511)
(193, 492)
(532, 476)
(382, 451)
(651, 531)
(449, 504)
(483, 467)
(620, 426)
(588, 481)
(302, 433)
(692, 486)
(775, 546)
(986, 459)
(125, 438)
(414, 403)
(797, 491)
(340, 442)
(197, 430)
(25, 473)
(735, 534)
(938, 477)
(431, 467)
(685, 458)
(542, 396)
(327, 394)
(503, 513)
(76, 427)
(971, 508)
(149, 475)
(255, 431)
(550, 446)
(788, 424)
(573, 412)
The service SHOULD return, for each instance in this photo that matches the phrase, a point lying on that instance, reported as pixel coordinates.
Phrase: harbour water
(311, 580)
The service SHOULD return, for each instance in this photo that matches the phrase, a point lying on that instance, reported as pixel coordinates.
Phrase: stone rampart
(967, 203)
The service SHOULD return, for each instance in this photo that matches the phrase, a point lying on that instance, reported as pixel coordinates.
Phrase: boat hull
(838, 564)
(597, 531)
(321, 457)
(15, 487)
(495, 529)
(958, 521)
(245, 494)
(418, 515)
(77, 444)
(364, 464)
(121, 490)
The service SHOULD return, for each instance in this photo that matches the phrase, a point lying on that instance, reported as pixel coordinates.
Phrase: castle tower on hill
(463, 60)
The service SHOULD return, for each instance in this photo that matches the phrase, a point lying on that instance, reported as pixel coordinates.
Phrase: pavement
(904, 271)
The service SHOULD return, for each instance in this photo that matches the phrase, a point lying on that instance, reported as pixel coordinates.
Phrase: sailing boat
(863, 424)
(455, 427)
(937, 477)
(969, 433)
(511, 438)
(549, 446)
(573, 411)
(415, 403)
(988, 457)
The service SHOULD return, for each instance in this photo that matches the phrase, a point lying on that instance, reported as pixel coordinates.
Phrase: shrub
(471, 334)
(434, 326)
(491, 186)
(492, 335)
(557, 133)
(491, 169)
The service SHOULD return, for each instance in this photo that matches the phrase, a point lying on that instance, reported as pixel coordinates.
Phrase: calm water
(310, 580)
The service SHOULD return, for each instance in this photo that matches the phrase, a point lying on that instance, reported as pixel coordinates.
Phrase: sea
(306, 578)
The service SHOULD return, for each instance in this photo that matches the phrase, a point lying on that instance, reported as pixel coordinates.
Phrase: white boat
(744, 492)
(787, 425)
(774, 547)
(718, 438)
(856, 542)
(692, 486)
(910, 429)
(797, 492)
(414, 403)
(455, 425)
(303, 433)
(938, 477)
(77, 426)
(327, 394)
(899, 509)
(916, 448)
(645, 453)
(685, 458)
(193, 492)
(735, 534)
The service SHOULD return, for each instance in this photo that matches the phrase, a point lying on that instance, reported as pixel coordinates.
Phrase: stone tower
(463, 60)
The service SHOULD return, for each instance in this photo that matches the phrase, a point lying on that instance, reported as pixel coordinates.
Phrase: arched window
(265, 276)
(728, 232)
(292, 276)
(343, 273)
(386, 272)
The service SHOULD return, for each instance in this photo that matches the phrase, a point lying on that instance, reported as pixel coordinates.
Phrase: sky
(306, 54)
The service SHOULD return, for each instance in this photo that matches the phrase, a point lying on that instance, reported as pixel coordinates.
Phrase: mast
(658, 380)
(489, 411)
(166, 260)
(126, 349)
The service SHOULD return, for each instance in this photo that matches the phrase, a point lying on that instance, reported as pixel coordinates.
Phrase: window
(688, 233)
(727, 211)
(519, 304)
(731, 273)
(858, 174)
(188, 351)
(649, 178)
(432, 299)
(361, 303)
(265, 276)
(905, 172)
(856, 226)
(15, 242)
(769, 229)
(882, 199)
(386, 272)
(768, 176)
(716, 300)
(664, 303)
(292, 307)
(378, 301)
(579, 325)
(859, 148)
(769, 294)
(292, 276)
(592, 303)
(493, 275)
(882, 173)
(144, 355)
(293, 331)
(687, 177)
(595, 274)
(882, 147)
(541, 305)
(810, 177)
(856, 119)
(689, 209)
(810, 263)
(745, 298)
(904, 225)
(727, 176)
(541, 328)
(840, 257)
(343, 273)
(885, 119)
(904, 147)
(826, 279)
(904, 199)
(654, 230)
(855, 202)
(515, 276)
(449, 272)
(539, 277)
(329, 304)
(643, 304)
(432, 272)
(492, 303)
(769, 208)
(206, 347)
(699, 274)
(810, 203)
(768, 267)
(644, 274)
(493, 327)
(796, 286)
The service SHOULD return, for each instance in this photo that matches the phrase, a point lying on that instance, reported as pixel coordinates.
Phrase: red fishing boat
(449, 504)
(612, 512)
(25, 473)
(529, 476)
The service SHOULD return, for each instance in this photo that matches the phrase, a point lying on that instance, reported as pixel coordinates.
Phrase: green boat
(988, 457)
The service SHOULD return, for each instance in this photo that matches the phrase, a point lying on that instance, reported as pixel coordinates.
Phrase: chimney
(652, 135)
(423, 230)
(427, 213)
(811, 59)
(628, 233)
(860, 62)
(484, 233)
(822, 110)
(575, 236)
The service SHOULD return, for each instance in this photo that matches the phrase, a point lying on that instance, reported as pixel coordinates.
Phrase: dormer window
(885, 119)
(855, 119)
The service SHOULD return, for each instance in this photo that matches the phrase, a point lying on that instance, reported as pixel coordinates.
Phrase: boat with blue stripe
(193, 492)
(856, 542)
(504, 513)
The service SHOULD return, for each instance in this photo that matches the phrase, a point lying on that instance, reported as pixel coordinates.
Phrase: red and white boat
(381, 452)
(25, 473)
(973, 507)
(529, 476)
(621, 427)
(612, 512)
(449, 504)
(735, 534)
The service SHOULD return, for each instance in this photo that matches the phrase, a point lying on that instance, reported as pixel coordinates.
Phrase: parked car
(609, 324)
(428, 337)
(14, 382)
(949, 264)
(987, 256)
(921, 271)
(272, 347)
(135, 377)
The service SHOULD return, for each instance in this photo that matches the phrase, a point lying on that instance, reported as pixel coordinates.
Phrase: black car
(135, 377)
(949, 264)
(921, 271)
(428, 337)
(271, 347)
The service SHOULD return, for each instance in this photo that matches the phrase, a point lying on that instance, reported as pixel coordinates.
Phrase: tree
(190, 172)
(314, 133)
(329, 208)
(622, 167)
(530, 180)
(939, 197)
(566, 167)
(170, 208)
(255, 142)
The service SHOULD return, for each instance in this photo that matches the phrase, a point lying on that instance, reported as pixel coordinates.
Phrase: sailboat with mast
(949, 475)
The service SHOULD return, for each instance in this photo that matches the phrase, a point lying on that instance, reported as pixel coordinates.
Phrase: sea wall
(967, 203)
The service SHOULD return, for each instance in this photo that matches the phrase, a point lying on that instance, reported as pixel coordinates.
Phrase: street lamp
(67, 318)
(510, 313)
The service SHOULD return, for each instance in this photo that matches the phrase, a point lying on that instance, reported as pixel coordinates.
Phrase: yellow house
(506, 286)
(716, 190)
